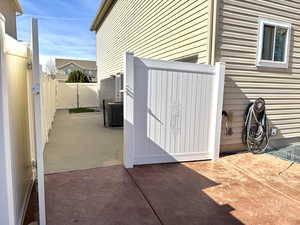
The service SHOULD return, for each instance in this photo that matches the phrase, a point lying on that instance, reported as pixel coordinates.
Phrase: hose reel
(256, 131)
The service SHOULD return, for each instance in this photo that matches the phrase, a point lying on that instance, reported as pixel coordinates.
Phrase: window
(273, 43)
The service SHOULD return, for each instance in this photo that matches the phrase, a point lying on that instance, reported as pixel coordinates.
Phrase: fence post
(216, 110)
(129, 135)
(77, 95)
(38, 121)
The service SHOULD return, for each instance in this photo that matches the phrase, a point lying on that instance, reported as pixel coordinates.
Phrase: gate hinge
(33, 164)
(36, 89)
(29, 66)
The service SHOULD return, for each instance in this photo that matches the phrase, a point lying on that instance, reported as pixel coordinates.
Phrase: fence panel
(87, 95)
(48, 92)
(15, 136)
(66, 95)
(17, 122)
(75, 95)
(172, 111)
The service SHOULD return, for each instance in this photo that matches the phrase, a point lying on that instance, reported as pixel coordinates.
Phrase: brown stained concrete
(266, 169)
(80, 141)
(229, 191)
(103, 196)
(31, 214)
(238, 189)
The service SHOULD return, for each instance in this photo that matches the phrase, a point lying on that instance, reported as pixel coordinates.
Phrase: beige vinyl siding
(167, 29)
(236, 45)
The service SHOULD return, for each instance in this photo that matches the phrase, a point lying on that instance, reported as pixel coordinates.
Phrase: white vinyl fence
(21, 84)
(17, 144)
(172, 111)
(76, 95)
(48, 105)
(87, 95)
(48, 93)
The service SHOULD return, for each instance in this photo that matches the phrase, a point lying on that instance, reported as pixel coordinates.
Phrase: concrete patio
(237, 189)
(80, 141)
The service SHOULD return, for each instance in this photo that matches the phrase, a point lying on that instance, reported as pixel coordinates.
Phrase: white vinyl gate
(172, 111)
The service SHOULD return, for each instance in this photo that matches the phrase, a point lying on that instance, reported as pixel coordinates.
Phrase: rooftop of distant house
(84, 64)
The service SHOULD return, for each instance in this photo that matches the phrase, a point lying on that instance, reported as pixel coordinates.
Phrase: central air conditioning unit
(113, 113)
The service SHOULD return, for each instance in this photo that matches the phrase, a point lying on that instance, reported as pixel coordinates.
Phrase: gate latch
(36, 89)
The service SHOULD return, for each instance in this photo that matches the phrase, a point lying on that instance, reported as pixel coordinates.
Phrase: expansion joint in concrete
(145, 197)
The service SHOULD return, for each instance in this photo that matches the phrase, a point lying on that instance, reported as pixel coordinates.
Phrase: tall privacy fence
(27, 109)
(16, 145)
(17, 123)
(48, 105)
(48, 93)
(76, 95)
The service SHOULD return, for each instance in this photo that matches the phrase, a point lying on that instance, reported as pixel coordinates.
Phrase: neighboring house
(258, 40)
(9, 9)
(66, 66)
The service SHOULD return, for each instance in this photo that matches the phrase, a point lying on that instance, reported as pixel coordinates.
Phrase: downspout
(215, 31)
(212, 30)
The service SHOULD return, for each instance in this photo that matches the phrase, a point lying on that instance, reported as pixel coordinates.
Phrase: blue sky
(63, 27)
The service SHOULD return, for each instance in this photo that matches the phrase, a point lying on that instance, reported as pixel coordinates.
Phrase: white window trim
(269, 63)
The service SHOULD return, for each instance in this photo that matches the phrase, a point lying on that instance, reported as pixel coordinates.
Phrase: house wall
(236, 45)
(168, 29)
(180, 30)
(8, 9)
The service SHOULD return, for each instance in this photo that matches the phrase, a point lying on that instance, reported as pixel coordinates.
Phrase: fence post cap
(220, 63)
(129, 53)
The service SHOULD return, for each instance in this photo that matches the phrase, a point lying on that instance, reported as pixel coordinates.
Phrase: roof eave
(19, 8)
(82, 67)
(101, 13)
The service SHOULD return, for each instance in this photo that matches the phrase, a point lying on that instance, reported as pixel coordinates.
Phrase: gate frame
(130, 108)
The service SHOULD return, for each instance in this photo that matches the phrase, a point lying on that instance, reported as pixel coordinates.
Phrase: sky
(64, 27)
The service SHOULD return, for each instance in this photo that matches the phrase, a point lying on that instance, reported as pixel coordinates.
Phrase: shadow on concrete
(169, 194)
(174, 191)
(176, 195)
